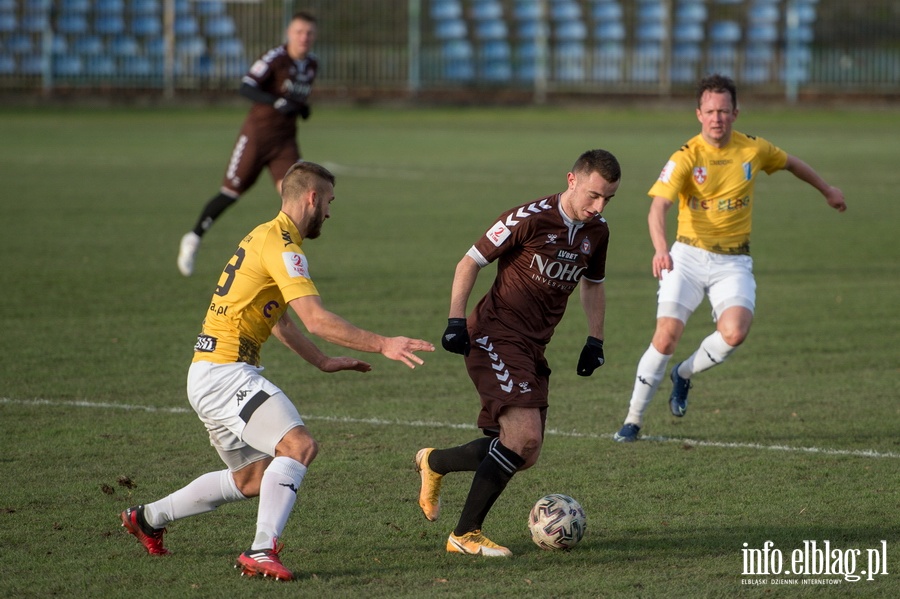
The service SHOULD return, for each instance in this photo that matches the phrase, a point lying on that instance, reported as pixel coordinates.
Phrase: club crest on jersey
(498, 233)
(296, 265)
(586, 246)
(700, 175)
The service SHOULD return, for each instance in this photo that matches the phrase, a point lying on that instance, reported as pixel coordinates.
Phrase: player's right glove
(287, 107)
(591, 357)
(456, 337)
(304, 111)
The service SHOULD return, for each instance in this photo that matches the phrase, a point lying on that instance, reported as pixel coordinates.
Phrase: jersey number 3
(230, 270)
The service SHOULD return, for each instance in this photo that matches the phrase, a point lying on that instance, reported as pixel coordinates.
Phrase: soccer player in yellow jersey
(252, 424)
(711, 179)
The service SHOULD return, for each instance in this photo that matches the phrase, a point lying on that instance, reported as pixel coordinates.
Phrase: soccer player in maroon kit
(278, 84)
(543, 249)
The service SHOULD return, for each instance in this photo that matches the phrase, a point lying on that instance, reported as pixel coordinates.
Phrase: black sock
(213, 210)
(464, 458)
(491, 477)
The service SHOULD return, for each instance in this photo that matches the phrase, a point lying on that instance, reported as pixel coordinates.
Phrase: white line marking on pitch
(863, 453)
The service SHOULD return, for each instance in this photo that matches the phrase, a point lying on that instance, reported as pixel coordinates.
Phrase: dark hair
(601, 162)
(718, 84)
(304, 176)
(302, 15)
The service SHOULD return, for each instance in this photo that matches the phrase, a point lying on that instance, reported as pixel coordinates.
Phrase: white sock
(277, 494)
(204, 494)
(712, 351)
(650, 372)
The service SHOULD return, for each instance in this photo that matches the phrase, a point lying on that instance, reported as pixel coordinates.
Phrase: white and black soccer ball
(557, 522)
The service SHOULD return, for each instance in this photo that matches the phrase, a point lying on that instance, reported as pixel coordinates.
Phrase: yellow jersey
(714, 189)
(267, 271)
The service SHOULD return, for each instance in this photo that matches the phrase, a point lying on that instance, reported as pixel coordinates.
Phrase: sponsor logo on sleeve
(205, 343)
(296, 265)
(498, 233)
(259, 68)
(666, 173)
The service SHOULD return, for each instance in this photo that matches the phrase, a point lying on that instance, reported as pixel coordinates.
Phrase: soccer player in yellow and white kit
(711, 178)
(252, 424)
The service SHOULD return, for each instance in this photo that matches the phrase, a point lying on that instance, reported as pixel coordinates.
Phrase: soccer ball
(557, 522)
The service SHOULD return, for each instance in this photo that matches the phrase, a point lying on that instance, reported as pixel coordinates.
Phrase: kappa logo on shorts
(498, 364)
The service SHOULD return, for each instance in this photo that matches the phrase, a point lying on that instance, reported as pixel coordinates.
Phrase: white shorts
(727, 280)
(245, 414)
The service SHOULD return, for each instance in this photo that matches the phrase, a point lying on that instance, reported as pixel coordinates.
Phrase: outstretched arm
(656, 220)
(334, 329)
(463, 282)
(288, 333)
(804, 172)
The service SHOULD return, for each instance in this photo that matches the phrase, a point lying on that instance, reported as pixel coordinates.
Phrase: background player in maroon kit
(278, 83)
(543, 249)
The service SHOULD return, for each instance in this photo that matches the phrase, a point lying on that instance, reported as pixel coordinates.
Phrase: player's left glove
(591, 357)
(456, 337)
(287, 107)
(304, 111)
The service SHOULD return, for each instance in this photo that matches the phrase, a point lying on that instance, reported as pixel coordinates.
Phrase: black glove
(456, 337)
(287, 107)
(591, 357)
(304, 111)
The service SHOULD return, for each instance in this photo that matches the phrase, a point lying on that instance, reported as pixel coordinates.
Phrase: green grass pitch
(795, 439)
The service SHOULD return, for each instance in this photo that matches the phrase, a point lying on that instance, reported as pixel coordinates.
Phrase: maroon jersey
(541, 255)
(280, 75)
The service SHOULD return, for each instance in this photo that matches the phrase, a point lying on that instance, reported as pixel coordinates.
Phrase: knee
(531, 450)
(299, 445)
(734, 334)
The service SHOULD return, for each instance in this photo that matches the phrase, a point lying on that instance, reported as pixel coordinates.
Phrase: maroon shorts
(254, 151)
(507, 373)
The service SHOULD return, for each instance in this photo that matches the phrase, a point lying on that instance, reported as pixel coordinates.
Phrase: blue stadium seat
(565, 10)
(146, 7)
(88, 45)
(496, 71)
(485, 10)
(762, 32)
(529, 30)
(100, 66)
(691, 12)
(570, 30)
(7, 22)
(72, 24)
(109, 24)
(8, 6)
(190, 46)
(725, 31)
(491, 30)
(495, 50)
(607, 10)
(109, 7)
(59, 45)
(31, 65)
(19, 43)
(688, 32)
(609, 58)
(146, 25)
(38, 5)
(228, 48)
(651, 32)
(527, 10)
(759, 53)
(75, 6)
(569, 61)
(446, 9)
(35, 22)
(208, 8)
(802, 34)
(450, 29)
(610, 30)
(155, 46)
(138, 66)
(124, 46)
(7, 65)
(459, 71)
(219, 26)
(763, 13)
(458, 49)
(653, 11)
(67, 66)
(186, 25)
